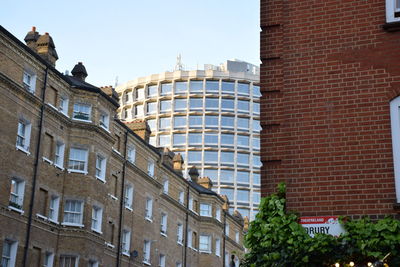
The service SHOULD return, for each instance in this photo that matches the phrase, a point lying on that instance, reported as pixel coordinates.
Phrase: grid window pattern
(73, 212)
(77, 160)
(81, 112)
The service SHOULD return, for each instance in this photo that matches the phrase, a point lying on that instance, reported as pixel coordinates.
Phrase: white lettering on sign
(322, 225)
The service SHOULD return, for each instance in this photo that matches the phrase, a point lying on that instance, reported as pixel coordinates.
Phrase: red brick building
(330, 79)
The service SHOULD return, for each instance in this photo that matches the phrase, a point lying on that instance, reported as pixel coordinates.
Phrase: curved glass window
(152, 125)
(165, 106)
(152, 90)
(227, 192)
(151, 107)
(227, 122)
(212, 86)
(243, 123)
(243, 141)
(180, 87)
(256, 126)
(227, 104)
(256, 91)
(196, 121)
(227, 157)
(256, 161)
(194, 156)
(139, 93)
(242, 196)
(256, 179)
(210, 139)
(243, 89)
(179, 122)
(180, 104)
(242, 177)
(228, 87)
(227, 140)
(211, 173)
(166, 88)
(243, 106)
(164, 140)
(195, 139)
(211, 157)
(243, 159)
(196, 103)
(226, 176)
(165, 123)
(196, 86)
(211, 122)
(256, 143)
(179, 139)
(256, 108)
(212, 103)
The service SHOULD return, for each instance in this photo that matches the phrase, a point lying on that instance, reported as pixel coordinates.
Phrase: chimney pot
(47, 33)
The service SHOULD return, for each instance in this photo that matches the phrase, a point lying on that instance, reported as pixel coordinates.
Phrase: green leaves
(275, 238)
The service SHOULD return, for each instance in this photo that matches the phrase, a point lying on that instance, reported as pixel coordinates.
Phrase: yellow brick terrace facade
(80, 188)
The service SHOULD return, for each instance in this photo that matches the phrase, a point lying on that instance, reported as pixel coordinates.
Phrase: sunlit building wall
(211, 117)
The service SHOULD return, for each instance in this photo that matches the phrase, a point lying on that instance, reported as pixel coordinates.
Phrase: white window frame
(179, 234)
(59, 155)
(93, 263)
(237, 237)
(54, 206)
(48, 259)
(126, 242)
(17, 192)
(72, 212)
(166, 186)
(146, 252)
(218, 247)
(164, 224)
(190, 239)
(191, 203)
(76, 109)
(395, 124)
(101, 165)
(128, 197)
(104, 120)
(226, 229)
(205, 209)
(97, 219)
(150, 168)
(205, 247)
(85, 161)
(68, 257)
(29, 80)
(181, 197)
(12, 256)
(162, 260)
(391, 9)
(63, 106)
(148, 215)
(131, 154)
(218, 214)
(24, 136)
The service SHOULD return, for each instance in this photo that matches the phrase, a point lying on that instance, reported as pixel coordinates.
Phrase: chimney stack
(141, 128)
(31, 39)
(177, 162)
(205, 182)
(194, 174)
(46, 49)
(79, 71)
(110, 91)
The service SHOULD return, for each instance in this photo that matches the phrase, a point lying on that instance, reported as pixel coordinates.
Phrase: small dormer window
(104, 120)
(29, 81)
(82, 112)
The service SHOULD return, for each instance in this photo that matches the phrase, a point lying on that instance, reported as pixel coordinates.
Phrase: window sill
(103, 180)
(59, 167)
(23, 149)
(148, 219)
(126, 254)
(97, 231)
(53, 107)
(77, 171)
(180, 243)
(205, 251)
(53, 221)
(109, 245)
(146, 263)
(105, 129)
(72, 224)
(41, 216)
(15, 209)
(164, 234)
(89, 121)
(129, 208)
(113, 197)
(391, 26)
(116, 151)
(47, 160)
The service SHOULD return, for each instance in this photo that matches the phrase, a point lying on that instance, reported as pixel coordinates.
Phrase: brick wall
(328, 73)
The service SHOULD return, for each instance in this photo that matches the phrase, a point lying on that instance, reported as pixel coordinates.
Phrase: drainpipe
(187, 226)
(121, 205)
(35, 172)
(223, 240)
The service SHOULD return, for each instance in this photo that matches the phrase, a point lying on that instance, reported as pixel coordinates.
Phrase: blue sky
(135, 38)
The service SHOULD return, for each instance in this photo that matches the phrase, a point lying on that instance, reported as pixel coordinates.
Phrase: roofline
(53, 69)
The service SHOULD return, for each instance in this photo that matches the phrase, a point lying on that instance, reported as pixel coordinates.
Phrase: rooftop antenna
(179, 65)
(116, 81)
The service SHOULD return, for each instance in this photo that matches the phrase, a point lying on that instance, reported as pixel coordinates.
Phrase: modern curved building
(211, 117)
